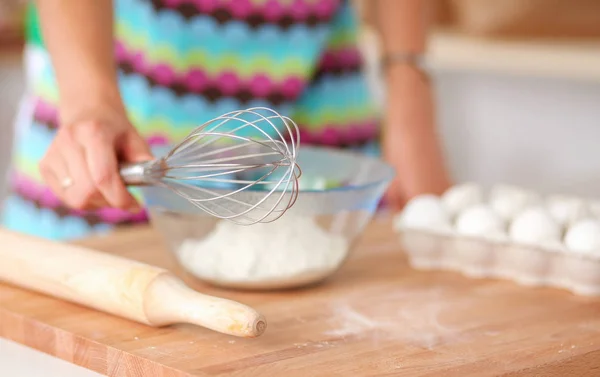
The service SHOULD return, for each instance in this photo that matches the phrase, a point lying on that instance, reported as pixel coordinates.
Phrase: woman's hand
(410, 141)
(82, 164)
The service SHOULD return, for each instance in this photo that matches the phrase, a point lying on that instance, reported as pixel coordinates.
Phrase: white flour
(407, 316)
(280, 250)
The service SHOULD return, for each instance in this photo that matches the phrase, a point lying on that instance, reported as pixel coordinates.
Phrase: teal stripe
(336, 93)
(35, 142)
(22, 216)
(181, 112)
(169, 28)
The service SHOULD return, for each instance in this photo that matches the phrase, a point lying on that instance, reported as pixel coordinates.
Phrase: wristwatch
(415, 60)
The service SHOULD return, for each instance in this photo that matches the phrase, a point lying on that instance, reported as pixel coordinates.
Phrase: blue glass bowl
(340, 192)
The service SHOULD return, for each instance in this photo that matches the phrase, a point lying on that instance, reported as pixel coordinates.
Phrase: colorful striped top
(182, 62)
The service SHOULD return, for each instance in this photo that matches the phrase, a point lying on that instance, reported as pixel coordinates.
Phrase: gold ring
(66, 182)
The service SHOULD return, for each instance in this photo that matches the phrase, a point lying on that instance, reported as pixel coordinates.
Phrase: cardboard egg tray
(479, 258)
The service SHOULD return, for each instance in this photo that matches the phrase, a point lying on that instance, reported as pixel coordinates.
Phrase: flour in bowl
(286, 248)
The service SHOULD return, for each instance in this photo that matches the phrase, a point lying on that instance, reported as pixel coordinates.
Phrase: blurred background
(517, 87)
(12, 81)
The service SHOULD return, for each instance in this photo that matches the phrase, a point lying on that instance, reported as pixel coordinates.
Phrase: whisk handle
(139, 173)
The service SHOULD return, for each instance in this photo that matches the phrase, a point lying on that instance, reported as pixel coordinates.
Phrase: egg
(566, 209)
(481, 221)
(459, 197)
(535, 227)
(584, 237)
(509, 200)
(425, 212)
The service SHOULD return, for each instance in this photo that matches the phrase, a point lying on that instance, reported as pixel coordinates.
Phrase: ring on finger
(66, 182)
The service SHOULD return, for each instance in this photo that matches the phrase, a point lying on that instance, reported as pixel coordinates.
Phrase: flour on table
(411, 317)
(282, 249)
(351, 322)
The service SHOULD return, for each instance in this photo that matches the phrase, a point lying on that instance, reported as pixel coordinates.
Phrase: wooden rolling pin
(119, 286)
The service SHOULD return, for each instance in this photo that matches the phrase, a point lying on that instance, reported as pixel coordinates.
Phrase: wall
(526, 113)
(11, 88)
(538, 132)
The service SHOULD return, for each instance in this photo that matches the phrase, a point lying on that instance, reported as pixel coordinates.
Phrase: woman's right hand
(81, 165)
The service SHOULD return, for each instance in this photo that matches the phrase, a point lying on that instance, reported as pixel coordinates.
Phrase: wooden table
(375, 317)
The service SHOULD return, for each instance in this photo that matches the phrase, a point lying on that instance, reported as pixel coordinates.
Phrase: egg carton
(533, 241)
(525, 265)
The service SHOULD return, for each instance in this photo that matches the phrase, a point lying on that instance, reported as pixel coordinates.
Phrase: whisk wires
(239, 166)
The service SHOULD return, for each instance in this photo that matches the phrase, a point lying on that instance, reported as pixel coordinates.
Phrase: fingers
(85, 156)
(103, 167)
(134, 148)
(54, 172)
(62, 163)
(82, 193)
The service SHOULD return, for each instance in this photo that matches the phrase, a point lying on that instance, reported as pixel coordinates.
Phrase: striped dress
(182, 62)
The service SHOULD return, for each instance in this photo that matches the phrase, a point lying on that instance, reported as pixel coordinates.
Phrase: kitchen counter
(375, 317)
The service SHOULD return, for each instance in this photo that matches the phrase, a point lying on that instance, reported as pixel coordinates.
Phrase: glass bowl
(339, 193)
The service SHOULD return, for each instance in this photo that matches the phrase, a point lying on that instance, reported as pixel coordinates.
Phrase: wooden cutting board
(375, 317)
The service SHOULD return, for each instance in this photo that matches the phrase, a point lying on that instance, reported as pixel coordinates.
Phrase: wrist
(410, 107)
(406, 73)
(105, 107)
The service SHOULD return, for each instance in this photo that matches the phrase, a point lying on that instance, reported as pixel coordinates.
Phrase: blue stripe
(35, 141)
(184, 112)
(168, 28)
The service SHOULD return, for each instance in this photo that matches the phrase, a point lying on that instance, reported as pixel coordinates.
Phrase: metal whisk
(240, 166)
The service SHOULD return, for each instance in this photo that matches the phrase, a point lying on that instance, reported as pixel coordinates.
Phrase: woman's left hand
(410, 140)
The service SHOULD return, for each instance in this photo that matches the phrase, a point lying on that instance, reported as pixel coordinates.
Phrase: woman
(96, 96)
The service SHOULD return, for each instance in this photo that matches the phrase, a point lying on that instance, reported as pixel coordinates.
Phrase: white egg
(509, 200)
(535, 227)
(424, 212)
(566, 209)
(459, 197)
(481, 221)
(584, 237)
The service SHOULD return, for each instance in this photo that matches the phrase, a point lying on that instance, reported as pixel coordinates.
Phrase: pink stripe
(45, 112)
(205, 6)
(339, 135)
(35, 191)
(349, 57)
(272, 10)
(196, 80)
(157, 140)
(27, 188)
(344, 58)
(120, 52)
(292, 87)
(227, 82)
(138, 62)
(326, 8)
(240, 9)
(260, 85)
(299, 10)
(107, 215)
(163, 74)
